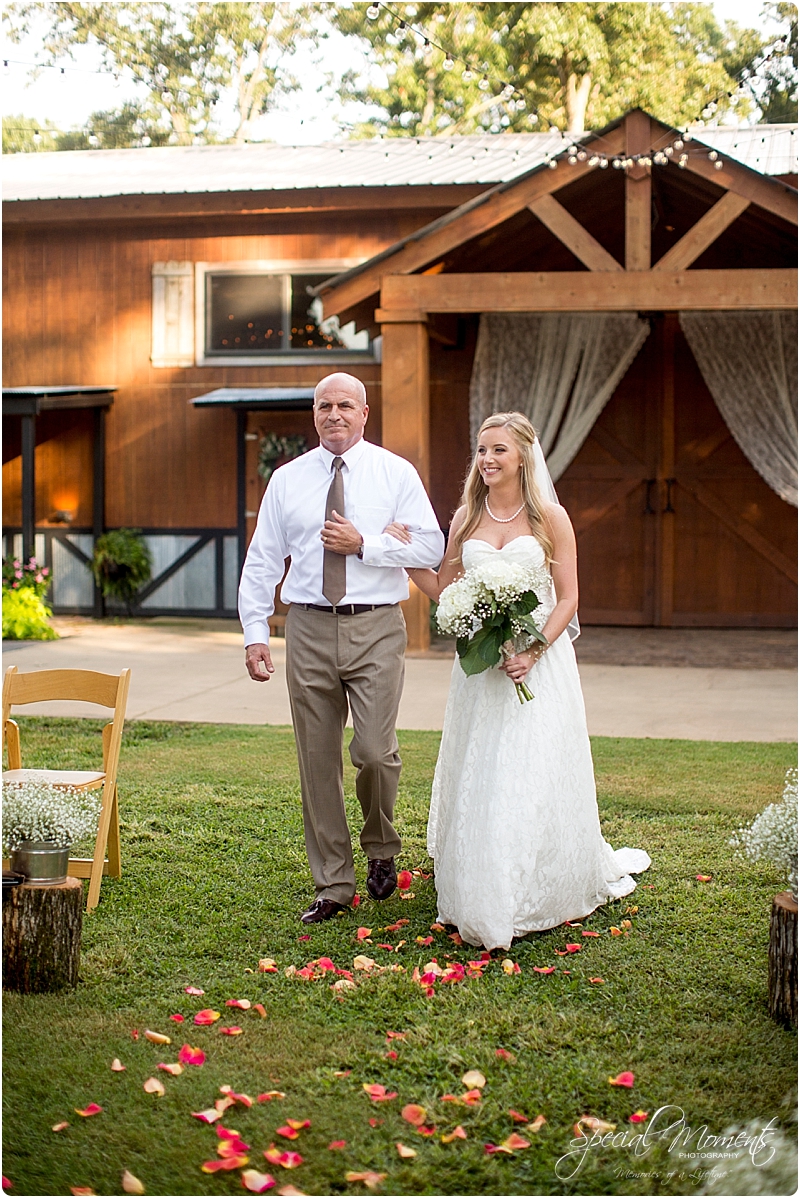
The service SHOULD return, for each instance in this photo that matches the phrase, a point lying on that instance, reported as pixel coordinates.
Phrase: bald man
(345, 633)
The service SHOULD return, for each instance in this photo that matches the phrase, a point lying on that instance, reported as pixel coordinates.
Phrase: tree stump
(42, 936)
(783, 960)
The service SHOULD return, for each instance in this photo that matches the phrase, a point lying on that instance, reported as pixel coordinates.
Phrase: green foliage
(215, 877)
(186, 56)
(26, 616)
(577, 65)
(273, 451)
(26, 135)
(121, 563)
(778, 99)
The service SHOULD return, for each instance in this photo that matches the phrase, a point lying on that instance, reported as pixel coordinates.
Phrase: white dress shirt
(379, 487)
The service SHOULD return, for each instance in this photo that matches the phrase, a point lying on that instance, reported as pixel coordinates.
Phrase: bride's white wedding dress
(514, 829)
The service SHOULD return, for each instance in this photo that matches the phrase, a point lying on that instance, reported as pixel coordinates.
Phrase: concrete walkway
(193, 670)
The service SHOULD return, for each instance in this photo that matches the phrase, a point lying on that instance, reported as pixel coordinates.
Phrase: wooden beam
(770, 194)
(703, 233)
(400, 316)
(572, 234)
(589, 291)
(469, 221)
(638, 193)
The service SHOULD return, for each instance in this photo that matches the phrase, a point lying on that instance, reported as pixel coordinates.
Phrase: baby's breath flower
(773, 834)
(37, 810)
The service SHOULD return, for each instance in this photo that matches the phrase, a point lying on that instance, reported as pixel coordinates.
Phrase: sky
(306, 117)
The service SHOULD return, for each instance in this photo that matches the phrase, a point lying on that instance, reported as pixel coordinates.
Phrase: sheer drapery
(558, 368)
(749, 363)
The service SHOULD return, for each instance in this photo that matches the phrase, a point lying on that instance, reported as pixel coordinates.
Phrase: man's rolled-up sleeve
(263, 567)
(412, 507)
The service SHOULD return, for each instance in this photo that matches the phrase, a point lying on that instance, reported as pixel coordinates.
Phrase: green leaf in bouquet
(527, 623)
(472, 662)
(490, 641)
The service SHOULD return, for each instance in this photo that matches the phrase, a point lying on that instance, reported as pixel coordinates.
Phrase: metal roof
(285, 399)
(382, 162)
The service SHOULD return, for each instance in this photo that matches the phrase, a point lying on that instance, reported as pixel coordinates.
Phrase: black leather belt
(345, 609)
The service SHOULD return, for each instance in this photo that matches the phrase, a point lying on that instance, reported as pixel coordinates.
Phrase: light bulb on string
(617, 164)
(593, 161)
(401, 26)
(508, 92)
(520, 105)
(713, 155)
(6, 67)
(572, 159)
(669, 151)
(581, 155)
(448, 64)
(687, 135)
(484, 84)
(718, 165)
(37, 137)
(373, 12)
(603, 163)
(552, 164)
(466, 75)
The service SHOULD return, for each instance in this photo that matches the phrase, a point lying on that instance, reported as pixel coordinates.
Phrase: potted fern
(121, 564)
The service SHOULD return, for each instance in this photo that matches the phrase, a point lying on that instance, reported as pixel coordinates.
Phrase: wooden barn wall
(78, 310)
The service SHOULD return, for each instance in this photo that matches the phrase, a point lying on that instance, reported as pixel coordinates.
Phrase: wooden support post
(665, 534)
(98, 492)
(28, 486)
(42, 936)
(405, 417)
(638, 219)
(783, 960)
(241, 485)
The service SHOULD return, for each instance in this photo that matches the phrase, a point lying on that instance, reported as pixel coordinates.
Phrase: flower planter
(41, 862)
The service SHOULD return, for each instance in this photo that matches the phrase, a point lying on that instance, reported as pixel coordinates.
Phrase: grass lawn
(215, 878)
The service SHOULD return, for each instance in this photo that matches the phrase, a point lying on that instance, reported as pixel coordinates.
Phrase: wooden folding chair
(106, 690)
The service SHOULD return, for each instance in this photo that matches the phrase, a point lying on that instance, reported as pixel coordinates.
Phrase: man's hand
(400, 532)
(258, 662)
(340, 536)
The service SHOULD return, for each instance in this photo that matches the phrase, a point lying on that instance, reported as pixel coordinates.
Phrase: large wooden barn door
(674, 526)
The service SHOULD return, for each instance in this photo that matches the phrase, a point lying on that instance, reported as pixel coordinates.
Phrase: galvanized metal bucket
(41, 861)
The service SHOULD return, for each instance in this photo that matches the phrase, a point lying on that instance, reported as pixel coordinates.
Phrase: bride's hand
(517, 667)
(399, 531)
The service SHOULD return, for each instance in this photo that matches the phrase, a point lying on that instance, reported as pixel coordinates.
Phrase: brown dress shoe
(381, 877)
(320, 910)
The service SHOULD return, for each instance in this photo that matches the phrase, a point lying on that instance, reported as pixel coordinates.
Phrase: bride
(514, 828)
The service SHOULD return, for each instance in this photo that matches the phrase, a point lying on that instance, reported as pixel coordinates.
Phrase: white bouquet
(773, 834)
(490, 610)
(37, 810)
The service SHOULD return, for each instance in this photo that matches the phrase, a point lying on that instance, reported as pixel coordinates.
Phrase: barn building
(169, 311)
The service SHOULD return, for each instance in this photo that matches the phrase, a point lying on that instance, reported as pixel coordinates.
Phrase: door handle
(649, 510)
(670, 484)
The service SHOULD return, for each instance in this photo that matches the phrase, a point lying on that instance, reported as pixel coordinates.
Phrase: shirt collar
(350, 457)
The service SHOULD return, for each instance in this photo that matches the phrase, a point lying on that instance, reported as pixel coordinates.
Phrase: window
(251, 310)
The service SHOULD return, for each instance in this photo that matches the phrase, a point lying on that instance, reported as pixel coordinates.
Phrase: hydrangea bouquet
(492, 611)
(773, 834)
(37, 810)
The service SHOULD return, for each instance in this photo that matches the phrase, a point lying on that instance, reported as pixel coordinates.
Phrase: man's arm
(263, 570)
(414, 509)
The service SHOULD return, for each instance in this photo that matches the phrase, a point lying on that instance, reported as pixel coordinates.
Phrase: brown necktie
(334, 565)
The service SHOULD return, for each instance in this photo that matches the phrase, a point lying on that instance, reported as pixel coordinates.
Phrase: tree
(569, 65)
(778, 97)
(185, 55)
(25, 135)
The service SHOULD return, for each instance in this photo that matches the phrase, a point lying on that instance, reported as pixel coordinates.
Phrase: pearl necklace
(499, 519)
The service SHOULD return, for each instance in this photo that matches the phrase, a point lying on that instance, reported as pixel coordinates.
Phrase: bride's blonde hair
(475, 489)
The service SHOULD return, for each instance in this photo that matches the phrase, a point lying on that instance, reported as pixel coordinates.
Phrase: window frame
(269, 266)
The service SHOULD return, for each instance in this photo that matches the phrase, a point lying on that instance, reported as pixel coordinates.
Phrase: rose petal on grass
(517, 1116)
(405, 1153)
(457, 1133)
(299, 1124)
(424, 940)
(426, 1131)
(516, 1142)
(355, 901)
(343, 984)
(365, 963)
(377, 1092)
(373, 1122)
(391, 1056)
(587, 933)
(257, 1006)
(337, 1145)
(231, 1031)
(703, 877)
(307, 936)
(492, 1149)
(154, 1086)
(242, 1004)
(92, 1109)
(404, 879)
(370, 1179)
(474, 1079)
(206, 1016)
(244, 1099)
(267, 965)
(195, 990)
(191, 1056)
(449, 1098)
(177, 1018)
(269, 1095)
(78, 1190)
(544, 969)
(622, 1079)
(287, 1160)
(228, 1163)
(537, 1124)
(594, 1124)
(457, 941)
(174, 1070)
(395, 1036)
(117, 1066)
(639, 1117)
(471, 1098)
(414, 1114)
(363, 933)
(288, 1133)
(615, 931)
(396, 926)
(156, 1038)
(407, 894)
(257, 1183)
(232, 1147)
(625, 923)
(224, 1104)
(510, 966)
(209, 1116)
(134, 1033)
(131, 1184)
(60, 1126)
(573, 948)
(290, 1192)
(503, 1054)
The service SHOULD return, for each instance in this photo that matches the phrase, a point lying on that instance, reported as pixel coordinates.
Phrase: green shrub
(25, 617)
(121, 563)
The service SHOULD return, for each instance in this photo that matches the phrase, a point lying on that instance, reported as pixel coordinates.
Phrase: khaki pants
(330, 661)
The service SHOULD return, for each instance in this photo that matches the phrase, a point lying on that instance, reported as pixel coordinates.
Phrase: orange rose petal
(193, 990)
(457, 1133)
(373, 1122)
(537, 1124)
(615, 931)
(242, 1004)
(471, 1098)
(88, 1111)
(405, 1153)
(257, 1183)
(516, 1142)
(404, 879)
(377, 1092)
(131, 1184)
(228, 1163)
(639, 1117)
(437, 927)
(449, 1098)
(517, 1116)
(454, 936)
(504, 1055)
(259, 1007)
(585, 933)
(336, 1145)
(598, 981)
(412, 1113)
(157, 1038)
(290, 1160)
(206, 1016)
(543, 969)
(231, 1031)
(594, 1124)
(173, 1070)
(269, 1095)
(625, 923)
(288, 1133)
(426, 1131)
(244, 1099)
(78, 1190)
(703, 877)
(209, 1116)
(191, 1056)
(299, 1124)
(290, 1192)
(370, 1179)
(154, 1086)
(424, 940)
(491, 1149)
(622, 1079)
(363, 933)
(117, 1066)
(59, 1126)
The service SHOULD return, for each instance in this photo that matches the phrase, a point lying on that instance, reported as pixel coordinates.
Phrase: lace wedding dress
(513, 827)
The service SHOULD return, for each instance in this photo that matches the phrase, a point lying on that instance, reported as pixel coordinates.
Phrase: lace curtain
(560, 369)
(749, 363)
